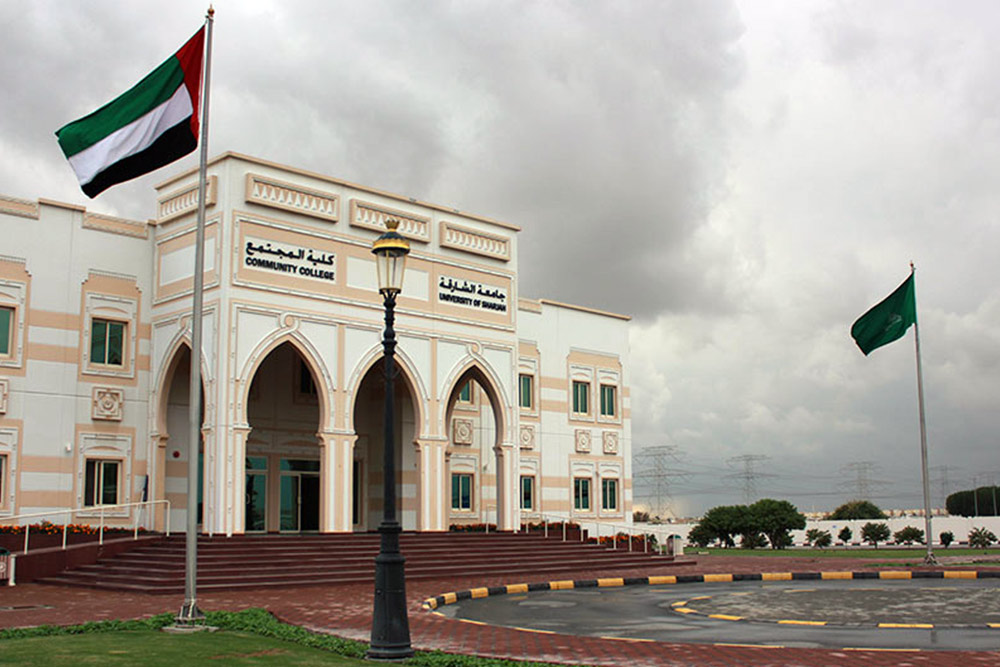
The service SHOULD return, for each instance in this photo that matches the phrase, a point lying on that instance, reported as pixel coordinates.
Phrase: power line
(749, 474)
(863, 480)
(652, 471)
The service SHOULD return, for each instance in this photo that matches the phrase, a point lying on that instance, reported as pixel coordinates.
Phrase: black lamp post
(390, 626)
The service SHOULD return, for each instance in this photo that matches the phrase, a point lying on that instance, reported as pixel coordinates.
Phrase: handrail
(597, 524)
(94, 508)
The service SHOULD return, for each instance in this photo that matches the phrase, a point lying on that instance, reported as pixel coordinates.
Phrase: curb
(474, 593)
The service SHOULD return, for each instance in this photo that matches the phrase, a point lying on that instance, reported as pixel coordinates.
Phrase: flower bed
(44, 535)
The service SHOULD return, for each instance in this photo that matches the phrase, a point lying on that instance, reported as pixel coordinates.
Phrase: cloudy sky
(743, 178)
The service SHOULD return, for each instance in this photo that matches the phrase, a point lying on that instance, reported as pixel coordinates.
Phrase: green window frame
(107, 342)
(609, 494)
(524, 391)
(7, 320)
(581, 494)
(465, 393)
(101, 482)
(608, 400)
(581, 394)
(527, 492)
(461, 491)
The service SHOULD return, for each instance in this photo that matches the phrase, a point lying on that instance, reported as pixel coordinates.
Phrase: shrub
(857, 509)
(946, 538)
(981, 538)
(845, 534)
(873, 533)
(908, 536)
(818, 538)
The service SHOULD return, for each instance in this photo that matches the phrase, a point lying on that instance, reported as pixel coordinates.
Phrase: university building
(507, 408)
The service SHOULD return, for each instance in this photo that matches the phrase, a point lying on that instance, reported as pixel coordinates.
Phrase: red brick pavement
(346, 611)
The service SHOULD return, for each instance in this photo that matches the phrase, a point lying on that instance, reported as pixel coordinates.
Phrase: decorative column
(506, 497)
(237, 466)
(158, 480)
(432, 489)
(336, 464)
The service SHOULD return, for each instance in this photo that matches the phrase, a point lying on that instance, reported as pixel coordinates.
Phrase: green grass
(248, 637)
(881, 553)
(152, 647)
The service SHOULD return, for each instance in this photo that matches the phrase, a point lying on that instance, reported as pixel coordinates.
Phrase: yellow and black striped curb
(473, 593)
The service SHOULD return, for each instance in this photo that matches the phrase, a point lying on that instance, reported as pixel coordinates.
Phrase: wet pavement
(824, 614)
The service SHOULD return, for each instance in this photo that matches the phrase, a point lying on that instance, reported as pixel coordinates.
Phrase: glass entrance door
(300, 492)
(256, 489)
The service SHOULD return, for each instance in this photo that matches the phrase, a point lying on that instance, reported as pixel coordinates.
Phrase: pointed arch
(407, 371)
(165, 376)
(314, 362)
(474, 367)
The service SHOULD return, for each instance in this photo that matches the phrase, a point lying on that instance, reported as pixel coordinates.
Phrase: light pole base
(189, 613)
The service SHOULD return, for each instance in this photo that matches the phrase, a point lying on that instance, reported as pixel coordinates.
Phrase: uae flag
(151, 125)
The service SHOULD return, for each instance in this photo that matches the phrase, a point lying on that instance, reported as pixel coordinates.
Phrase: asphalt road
(768, 613)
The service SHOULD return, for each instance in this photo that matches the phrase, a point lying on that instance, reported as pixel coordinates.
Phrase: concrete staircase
(244, 562)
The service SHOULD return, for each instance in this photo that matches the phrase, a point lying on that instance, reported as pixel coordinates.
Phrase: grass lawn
(881, 553)
(151, 647)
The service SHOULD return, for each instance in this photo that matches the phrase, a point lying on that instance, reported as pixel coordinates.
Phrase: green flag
(887, 320)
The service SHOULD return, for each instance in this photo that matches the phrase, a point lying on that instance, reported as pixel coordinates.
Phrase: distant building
(507, 407)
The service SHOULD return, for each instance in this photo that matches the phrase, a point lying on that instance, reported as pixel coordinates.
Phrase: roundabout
(814, 611)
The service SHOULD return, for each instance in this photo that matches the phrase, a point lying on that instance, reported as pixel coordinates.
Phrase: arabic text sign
(471, 294)
(267, 255)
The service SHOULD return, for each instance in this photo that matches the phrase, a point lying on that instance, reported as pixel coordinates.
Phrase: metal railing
(95, 509)
(596, 527)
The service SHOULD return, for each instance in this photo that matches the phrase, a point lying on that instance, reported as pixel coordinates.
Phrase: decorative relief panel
(527, 436)
(582, 438)
(475, 241)
(107, 223)
(184, 201)
(290, 197)
(462, 432)
(4, 393)
(370, 216)
(107, 404)
(610, 442)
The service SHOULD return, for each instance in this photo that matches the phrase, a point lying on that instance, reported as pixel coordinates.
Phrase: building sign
(471, 294)
(294, 260)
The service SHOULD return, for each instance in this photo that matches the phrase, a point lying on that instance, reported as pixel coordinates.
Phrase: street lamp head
(390, 250)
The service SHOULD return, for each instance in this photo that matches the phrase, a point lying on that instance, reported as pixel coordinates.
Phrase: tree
(908, 536)
(818, 538)
(723, 522)
(845, 534)
(775, 518)
(873, 533)
(701, 536)
(857, 509)
(946, 538)
(981, 501)
(981, 538)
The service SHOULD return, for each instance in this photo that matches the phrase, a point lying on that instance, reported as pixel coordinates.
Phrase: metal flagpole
(189, 611)
(929, 559)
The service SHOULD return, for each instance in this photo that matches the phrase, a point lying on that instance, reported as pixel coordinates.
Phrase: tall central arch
(367, 415)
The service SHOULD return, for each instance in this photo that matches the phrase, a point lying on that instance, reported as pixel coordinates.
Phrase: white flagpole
(929, 559)
(189, 611)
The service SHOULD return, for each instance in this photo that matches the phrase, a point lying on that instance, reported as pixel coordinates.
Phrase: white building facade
(507, 408)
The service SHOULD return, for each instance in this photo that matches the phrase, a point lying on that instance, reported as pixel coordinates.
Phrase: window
(609, 494)
(581, 494)
(461, 491)
(524, 391)
(101, 483)
(307, 386)
(107, 342)
(527, 492)
(608, 401)
(465, 393)
(6, 330)
(581, 392)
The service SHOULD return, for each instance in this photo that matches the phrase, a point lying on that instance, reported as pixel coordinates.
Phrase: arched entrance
(282, 464)
(478, 469)
(173, 435)
(369, 408)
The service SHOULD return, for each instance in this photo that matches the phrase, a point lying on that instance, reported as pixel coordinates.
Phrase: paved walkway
(346, 611)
